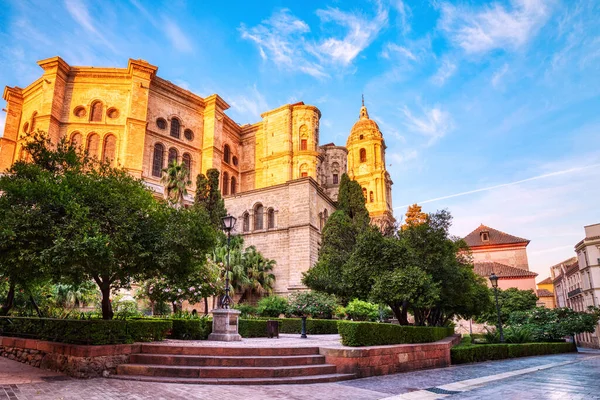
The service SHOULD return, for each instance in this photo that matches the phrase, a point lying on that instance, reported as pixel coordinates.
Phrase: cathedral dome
(364, 127)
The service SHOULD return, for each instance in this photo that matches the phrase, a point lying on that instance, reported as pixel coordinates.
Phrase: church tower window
(96, 112)
(92, 145)
(175, 128)
(303, 170)
(226, 153)
(335, 179)
(371, 197)
(76, 140)
(258, 217)
(365, 194)
(233, 185)
(157, 160)
(225, 183)
(109, 149)
(363, 155)
(303, 144)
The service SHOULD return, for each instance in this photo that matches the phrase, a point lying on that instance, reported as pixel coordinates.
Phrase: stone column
(225, 325)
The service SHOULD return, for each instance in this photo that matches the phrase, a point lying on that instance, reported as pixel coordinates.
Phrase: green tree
(414, 216)
(208, 196)
(176, 180)
(510, 300)
(352, 201)
(555, 324)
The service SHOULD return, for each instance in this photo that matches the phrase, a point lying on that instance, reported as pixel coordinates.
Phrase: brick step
(227, 351)
(226, 361)
(240, 381)
(177, 371)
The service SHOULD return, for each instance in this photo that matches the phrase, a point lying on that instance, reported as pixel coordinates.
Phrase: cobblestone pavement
(577, 376)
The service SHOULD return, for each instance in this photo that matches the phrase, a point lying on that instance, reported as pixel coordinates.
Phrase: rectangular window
(335, 179)
(304, 174)
(303, 144)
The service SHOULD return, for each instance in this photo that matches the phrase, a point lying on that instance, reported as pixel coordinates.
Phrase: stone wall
(513, 256)
(385, 360)
(73, 360)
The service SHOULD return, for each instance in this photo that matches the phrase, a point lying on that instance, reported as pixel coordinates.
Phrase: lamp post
(494, 281)
(228, 224)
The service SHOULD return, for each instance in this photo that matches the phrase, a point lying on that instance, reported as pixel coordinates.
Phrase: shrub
(191, 328)
(340, 312)
(313, 326)
(250, 328)
(312, 304)
(485, 352)
(518, 334)
(272, 306)
(246, 310)
(148, 330)
(358, 310)
(377, 334)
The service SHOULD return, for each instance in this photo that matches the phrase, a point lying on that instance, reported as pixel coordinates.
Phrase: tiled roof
(473, 239)
(544, 293)
(485, 269)
(546, 281)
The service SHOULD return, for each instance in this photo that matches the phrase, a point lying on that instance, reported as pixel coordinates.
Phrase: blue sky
(489, 109)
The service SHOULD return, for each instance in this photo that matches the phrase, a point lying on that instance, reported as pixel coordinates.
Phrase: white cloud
(404, 14)
(433, 123)
(402, 157)
(249, 105)
(494, 26)
(498, 75)
(400, 50)
(81, 15)
(176, 36)
(446, 70)
(361, 32)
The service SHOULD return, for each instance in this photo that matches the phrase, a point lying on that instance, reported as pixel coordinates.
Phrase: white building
(588, 257)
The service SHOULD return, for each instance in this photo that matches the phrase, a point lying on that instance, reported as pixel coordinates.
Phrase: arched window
(157, 160)
(233, 185)
(225, 183)
(246, 220)
(336, 179)
(363, 155)
(365, 194)
(109, 149)
(304, 170)
(33, 121)
(172, 156)
(175, 128)
(235, 160)
(325, 215)
(258, 217)
(321, 222)
(226, 153)
(96, 111)
(303, 144)
(271, 218)
(371, 197)
(92, 145)
(187, 162)
(76, 140)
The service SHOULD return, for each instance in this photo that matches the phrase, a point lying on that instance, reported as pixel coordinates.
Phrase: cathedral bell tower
(366, 165)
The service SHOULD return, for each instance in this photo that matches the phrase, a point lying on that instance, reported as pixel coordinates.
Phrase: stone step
(226, 361)
(177, 371)
(240, 381)
(227, 351)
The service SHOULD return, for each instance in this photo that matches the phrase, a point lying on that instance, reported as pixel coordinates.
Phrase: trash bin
(273, 329)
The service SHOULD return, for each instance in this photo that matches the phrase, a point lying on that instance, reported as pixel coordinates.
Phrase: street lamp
(494, 281)
(228, 224)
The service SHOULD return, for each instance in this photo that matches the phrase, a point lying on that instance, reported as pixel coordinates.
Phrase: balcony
(573, 293)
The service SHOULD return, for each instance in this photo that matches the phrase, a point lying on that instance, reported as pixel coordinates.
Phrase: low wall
(385, 360)
(73, 360)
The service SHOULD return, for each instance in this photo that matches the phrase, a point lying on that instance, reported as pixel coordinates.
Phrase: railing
(574, 293)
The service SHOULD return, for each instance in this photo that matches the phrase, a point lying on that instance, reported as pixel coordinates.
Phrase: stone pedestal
(225, 325)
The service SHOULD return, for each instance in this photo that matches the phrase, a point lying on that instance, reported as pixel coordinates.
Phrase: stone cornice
(159, 84)
(216, 101)
(13, 94)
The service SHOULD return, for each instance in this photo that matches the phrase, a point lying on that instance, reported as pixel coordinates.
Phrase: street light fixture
(494, 281)
(228, 224)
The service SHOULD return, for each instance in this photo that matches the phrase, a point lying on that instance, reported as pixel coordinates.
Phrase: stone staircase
(229, 365)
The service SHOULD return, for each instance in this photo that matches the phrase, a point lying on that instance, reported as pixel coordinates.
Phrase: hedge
(313, 326)
(378, 334)
(94, 332)
(486, 352)
(191, 329)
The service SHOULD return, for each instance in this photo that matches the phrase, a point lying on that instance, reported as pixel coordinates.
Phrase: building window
(321, 223)
(96, 111)
(233, 185)
(76, 140)
(365, 194)
(79, 112)
(109, 149)
(161, 123)
(172, 156)
(187, 162)
(485, 236)
(175, 128)
(361, 137)
(157, 160)
(235, 160)
(188, 134)
(363, 155)
(246, 220)
(112, 113)
(371, 197)
(258, 217)
(92, 145)
(304, 170)
(225, 183)
(325, 215)
(335, 179)
(226, 153)
(271, 219)
(303, 144)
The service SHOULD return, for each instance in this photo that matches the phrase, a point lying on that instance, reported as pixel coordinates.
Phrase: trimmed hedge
(191, 329)
(249, 328)
(377, 334)
(313, 326)
(91, 332)
(486, 352)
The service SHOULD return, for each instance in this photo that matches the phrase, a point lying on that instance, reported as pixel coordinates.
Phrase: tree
(554, 324)
(176, 180)
(208, 196)
(352, 201)
(510, 300)
(414, 217)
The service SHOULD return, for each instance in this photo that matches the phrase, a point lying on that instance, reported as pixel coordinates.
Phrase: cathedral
(276, 178)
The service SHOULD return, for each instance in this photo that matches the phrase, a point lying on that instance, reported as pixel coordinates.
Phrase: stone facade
(134, 119)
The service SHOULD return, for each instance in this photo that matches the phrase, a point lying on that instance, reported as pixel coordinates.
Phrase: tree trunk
(35, 306)
(10, 297)
(107, 311)
(175, 308)
(400, 313)
(206, 306)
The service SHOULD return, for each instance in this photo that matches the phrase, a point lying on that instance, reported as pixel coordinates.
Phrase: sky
(490, 109)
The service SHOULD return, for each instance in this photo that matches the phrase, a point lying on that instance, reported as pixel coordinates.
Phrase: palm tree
(258, 271)
(176, 179)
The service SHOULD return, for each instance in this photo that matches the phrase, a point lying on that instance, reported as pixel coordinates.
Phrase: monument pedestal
(225, 325)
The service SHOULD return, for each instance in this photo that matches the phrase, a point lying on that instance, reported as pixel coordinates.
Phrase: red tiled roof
(546, 281)
(473, 239)
(485, 269)
(544, 293)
